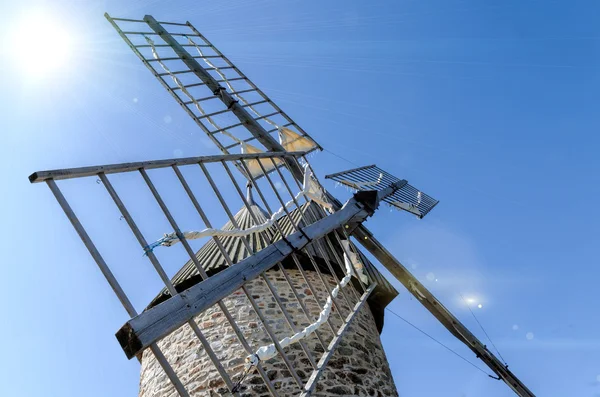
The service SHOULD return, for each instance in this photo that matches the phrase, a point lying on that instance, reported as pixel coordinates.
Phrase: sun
(39, 44)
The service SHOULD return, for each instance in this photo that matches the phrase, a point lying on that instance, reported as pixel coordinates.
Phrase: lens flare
(39, 44)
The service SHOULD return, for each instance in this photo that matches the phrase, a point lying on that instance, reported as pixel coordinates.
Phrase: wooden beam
(69, 173)
(440, 312)
(154, 324)
(435, 307)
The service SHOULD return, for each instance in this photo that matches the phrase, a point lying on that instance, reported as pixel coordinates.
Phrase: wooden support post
(438, 310)
(443, 315)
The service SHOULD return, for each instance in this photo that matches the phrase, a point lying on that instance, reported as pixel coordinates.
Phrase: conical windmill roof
(213, 261)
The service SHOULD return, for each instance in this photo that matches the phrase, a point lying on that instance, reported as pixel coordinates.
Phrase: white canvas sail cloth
(311, 189)
(291, 142)
(266, 352)
(351, 259)
(294, 142)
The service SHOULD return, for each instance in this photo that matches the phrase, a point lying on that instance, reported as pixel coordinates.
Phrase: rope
(266, 352)
(483, 329)
(238, 384)
(440, 343)
(311, 190)
(171, 238)
(341, 157)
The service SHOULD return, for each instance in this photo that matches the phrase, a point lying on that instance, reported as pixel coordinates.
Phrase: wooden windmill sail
(293, 246)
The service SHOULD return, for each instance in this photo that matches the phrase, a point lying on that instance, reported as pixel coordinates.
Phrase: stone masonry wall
(358, 366)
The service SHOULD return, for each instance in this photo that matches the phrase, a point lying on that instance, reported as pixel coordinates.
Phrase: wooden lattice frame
(143, 330)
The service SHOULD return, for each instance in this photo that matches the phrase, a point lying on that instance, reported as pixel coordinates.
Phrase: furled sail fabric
(294, 142)
(254, 165)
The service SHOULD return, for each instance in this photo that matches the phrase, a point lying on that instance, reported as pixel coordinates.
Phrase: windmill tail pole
(442, 314)
(436, 308)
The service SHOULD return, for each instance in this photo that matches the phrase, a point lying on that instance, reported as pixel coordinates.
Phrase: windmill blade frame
(223, 102)
(291, 247)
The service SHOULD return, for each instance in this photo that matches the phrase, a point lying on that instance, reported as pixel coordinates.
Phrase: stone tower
(358, 367)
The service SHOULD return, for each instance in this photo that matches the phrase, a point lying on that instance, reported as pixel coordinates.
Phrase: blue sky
(489, 106)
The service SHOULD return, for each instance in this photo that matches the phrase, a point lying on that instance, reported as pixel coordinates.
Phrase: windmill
(279, 300)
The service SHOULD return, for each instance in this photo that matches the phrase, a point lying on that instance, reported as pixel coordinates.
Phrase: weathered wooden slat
(91, 247)
(68, 173)
(179, 59)
(157, 322)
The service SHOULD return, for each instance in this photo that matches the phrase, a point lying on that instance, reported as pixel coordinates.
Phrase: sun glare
(474, 301)
(40, 44)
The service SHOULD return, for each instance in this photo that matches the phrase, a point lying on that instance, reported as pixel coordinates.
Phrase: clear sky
(490, 106)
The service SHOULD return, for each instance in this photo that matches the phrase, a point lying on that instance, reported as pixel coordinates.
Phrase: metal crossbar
(371, 177)
(311, 239)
